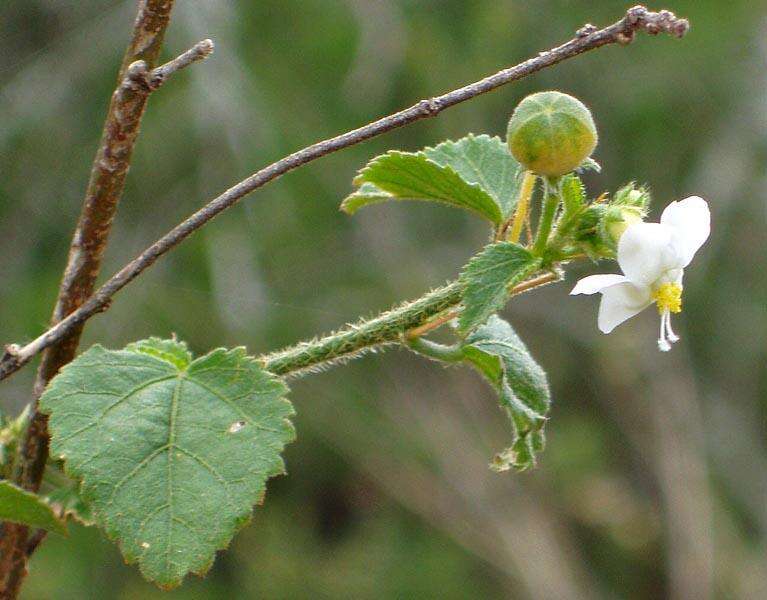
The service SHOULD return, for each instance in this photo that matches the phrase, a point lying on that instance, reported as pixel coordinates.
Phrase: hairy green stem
(387, 328)
(550, 204)
(404, 324)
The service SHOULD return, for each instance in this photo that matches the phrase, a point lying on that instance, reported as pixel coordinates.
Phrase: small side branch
(385, 329)
(587, 38)
(200, 51)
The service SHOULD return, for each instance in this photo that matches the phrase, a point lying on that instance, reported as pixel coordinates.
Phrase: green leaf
(366, 194)
(67, 502)
(589, 165)
(487, 279)
(172, 452)
(475, 173)
(11, 431)
(20, 506)
(486, 161)
(412, 176)
(496, 351)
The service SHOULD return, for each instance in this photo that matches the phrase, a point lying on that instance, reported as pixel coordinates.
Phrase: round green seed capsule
(551, 133)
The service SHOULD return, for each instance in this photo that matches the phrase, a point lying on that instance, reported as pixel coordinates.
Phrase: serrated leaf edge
(470, 137)
(62, 529)
(519, 276)
(240, 521)
(358, 181)
(507, 401)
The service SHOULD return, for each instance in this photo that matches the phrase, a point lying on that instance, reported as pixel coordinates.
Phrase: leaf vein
(120, 400)
(132, 473)
(234, 406)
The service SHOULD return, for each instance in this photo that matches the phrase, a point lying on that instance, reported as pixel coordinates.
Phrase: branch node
(12, 351)
(137, 70)
(430, 107)
(104, 306)
(585, 31)
(635, 14)
(136, 77)
(638, 17)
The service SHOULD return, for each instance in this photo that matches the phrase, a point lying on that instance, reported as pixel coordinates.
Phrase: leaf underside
(496, 351)
(487, 278)
(476, 173)
(172, 452)
(20, 506)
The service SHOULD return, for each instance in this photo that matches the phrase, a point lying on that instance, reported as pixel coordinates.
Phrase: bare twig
(199, 51)
(587, 38)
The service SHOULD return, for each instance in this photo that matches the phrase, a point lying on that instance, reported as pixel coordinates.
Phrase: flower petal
(596, 283)
(621, 302)
(646, 251)
(691, 221)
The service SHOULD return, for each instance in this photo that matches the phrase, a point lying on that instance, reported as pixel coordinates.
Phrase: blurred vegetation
(655, 477)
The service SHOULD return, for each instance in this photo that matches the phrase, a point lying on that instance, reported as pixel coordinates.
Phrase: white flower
(652, 257)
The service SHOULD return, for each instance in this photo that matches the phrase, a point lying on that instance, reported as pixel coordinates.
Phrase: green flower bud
(630, 195)
(551, 133)
(628, 206)
(617, 220)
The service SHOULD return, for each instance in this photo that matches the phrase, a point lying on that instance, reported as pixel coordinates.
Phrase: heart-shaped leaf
(172, 452)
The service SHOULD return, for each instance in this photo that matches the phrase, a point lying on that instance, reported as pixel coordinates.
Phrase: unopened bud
(617, 220)
(551, 133)
(630, 195)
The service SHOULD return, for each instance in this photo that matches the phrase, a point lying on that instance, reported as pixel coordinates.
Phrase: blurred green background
(654, 482)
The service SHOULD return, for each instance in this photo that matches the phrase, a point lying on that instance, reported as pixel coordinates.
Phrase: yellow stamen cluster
(668, 297)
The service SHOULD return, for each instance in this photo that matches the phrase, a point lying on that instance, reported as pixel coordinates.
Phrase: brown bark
(105, 187)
